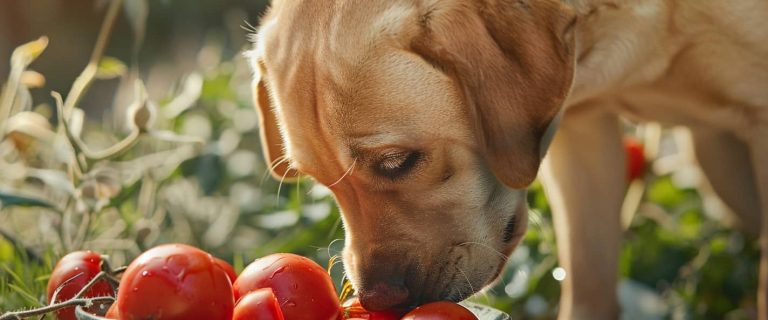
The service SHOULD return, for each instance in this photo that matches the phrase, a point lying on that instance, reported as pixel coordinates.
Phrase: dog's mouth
(468, 268)
(450, 260)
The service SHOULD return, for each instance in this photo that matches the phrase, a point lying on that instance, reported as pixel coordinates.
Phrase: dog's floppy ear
(514, 61)
(271, 139)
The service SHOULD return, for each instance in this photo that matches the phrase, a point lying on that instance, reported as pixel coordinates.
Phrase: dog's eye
(396, 164)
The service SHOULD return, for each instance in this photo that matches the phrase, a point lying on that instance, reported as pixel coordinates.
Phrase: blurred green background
(197, 176)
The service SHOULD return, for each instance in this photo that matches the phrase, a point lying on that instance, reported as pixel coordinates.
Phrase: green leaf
(13, 275)
(110, 68)
(665, 193)
(12, 200)
(7, 251)
(25, 295)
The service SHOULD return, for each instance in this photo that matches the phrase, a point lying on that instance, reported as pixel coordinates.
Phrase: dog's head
(426, 118)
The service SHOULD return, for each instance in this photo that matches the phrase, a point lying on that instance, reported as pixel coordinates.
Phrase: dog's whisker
(469, 283)
(272, 166)
(328, 250)
(280, 160)
(502, 256)
(248, 27)
(280, 187)
(348, 172)
(335, 261)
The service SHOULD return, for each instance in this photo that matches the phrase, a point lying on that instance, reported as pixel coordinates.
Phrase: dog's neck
(601, 56)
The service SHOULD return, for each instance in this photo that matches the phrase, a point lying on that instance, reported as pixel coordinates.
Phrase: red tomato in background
(258, 305)
(635, 158)
(175, 282)
(228, 268)
(441, 310)
(85, 263)
(354, 310)
(302, 287)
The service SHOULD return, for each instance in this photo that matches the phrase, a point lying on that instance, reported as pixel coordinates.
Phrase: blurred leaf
(690, 225)
(127, 192)
(28, 296)
(110, 68)
(665, 193)
(20, 287)
(209, 170)
(171, 136)
(57, 180)
(7, 251)
(718, 244)
(25, 127)
(218, 88)
(28, 52)
(190, 93)
(12, 200)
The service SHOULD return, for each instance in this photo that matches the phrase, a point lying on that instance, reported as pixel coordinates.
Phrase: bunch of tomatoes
(181, 282)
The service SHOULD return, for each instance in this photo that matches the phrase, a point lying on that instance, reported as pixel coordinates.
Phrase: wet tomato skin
(228, 268)
(299, 284)
(86, 264)
(260, 304)
(175, 282)
(441, 310)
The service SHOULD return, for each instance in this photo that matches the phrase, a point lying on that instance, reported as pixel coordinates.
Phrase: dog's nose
(384, 295)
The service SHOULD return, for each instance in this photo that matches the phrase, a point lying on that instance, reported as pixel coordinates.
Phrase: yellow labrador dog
(428, 119)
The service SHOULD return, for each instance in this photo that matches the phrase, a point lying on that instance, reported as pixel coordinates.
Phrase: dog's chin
(464, 285)
(481, 276)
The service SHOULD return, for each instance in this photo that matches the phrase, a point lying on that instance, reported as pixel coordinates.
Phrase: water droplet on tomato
(146, 273)
(290, 303)
(135, 289)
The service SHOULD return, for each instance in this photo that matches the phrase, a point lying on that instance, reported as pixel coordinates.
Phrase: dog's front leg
(584, 181)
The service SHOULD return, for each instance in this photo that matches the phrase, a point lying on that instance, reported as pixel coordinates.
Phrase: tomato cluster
(176, 281)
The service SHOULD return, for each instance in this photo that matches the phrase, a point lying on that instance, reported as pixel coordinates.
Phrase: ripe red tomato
(260, 304)
(175, 282)
(299, 284)
(82, 266)
(231, 274)
(441, 310)
(635, 158)
(354, 310)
